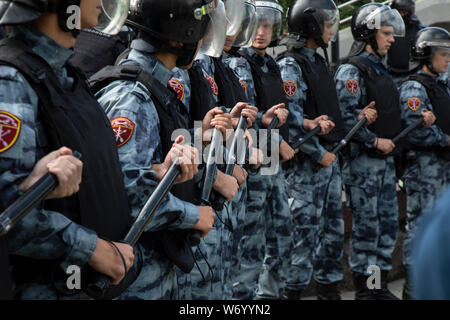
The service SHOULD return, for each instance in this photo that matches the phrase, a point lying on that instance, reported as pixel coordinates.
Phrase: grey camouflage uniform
(370, 182)
(267, 235)
(132, 100)
(316, 203)
(425, 177)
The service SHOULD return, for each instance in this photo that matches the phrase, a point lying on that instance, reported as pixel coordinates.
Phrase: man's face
(263, 35)
(385, 39)
(229, 41)
(328, 31)
(90, 11)
(440, 60)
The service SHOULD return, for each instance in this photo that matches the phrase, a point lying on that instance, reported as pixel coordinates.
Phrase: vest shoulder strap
(422, 79)
(110, 74)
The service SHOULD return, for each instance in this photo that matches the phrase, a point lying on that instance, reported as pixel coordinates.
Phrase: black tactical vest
(381, 89)
(400, 51)
(94, 51)
(440, 100)
(202, 99)
(230, 90)
(73, 118)
(268, 86)
(172, 115)
(171, 112)
(321, 95)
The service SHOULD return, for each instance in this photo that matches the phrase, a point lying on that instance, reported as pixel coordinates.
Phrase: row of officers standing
(179, 61)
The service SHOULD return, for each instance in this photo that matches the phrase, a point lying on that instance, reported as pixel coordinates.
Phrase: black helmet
(428, 40)
(22, 11)
(371, 17)
(409, 6)
(161, 21)
(183, 21)
(272, 12)
(306, 18)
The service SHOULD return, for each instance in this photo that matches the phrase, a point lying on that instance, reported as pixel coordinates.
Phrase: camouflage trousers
(424, 180)
(231, 240)
(266, 239)
(372, 197)
(316, 207)
(205, 281)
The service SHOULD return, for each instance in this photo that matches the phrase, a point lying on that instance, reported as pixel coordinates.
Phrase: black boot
(328, 291)
(384, 293)
(407, 290)
(362, 291)
(291, 294)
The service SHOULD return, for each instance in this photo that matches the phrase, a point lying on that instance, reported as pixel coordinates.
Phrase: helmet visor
(235, 15)
(328, 19)
(269, 15)
(113, 16)
(214, 39)
(386, 17)
(247, 33)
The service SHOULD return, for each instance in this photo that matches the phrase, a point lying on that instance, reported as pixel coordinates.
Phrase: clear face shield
(235, 14)
(269, 14)
(214, 39)
(113, 16)
(386, 17)
(329, 21)
(247, 32)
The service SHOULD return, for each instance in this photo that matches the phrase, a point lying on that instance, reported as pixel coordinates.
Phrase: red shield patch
(123, 130)
(9, 130)
(414, 103)
(178, 87)
(243, 85)
(290, 87)
(352, 85)
(213, 84)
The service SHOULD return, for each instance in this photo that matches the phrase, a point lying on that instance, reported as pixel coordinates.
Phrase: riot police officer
(268, 232)
(369, 176)
(39, 116)
(399, 56)
(144, 113)
(425, 95)
(316, 196)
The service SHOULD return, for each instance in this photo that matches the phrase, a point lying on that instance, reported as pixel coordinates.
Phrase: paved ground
(396, 288)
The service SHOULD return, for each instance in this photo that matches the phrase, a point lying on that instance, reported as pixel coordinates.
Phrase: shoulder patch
(9, 130)
(123, 130)
(352, 85)
(178, 87)
(243, 85)
(213, 84)
(414, 103)
(290, 87)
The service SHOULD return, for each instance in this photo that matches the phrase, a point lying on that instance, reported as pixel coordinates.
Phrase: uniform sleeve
(41, 234)
(130, 102)
(350, 91)
(295, 89)
(413, 100)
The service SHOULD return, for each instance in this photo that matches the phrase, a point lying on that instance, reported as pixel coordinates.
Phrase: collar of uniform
(371, 57)
(259, 59)
(144, 54)
(45, 47)
(310, 53)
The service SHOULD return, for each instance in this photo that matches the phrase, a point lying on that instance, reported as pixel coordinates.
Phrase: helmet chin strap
(374, 44)
(430, 67)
